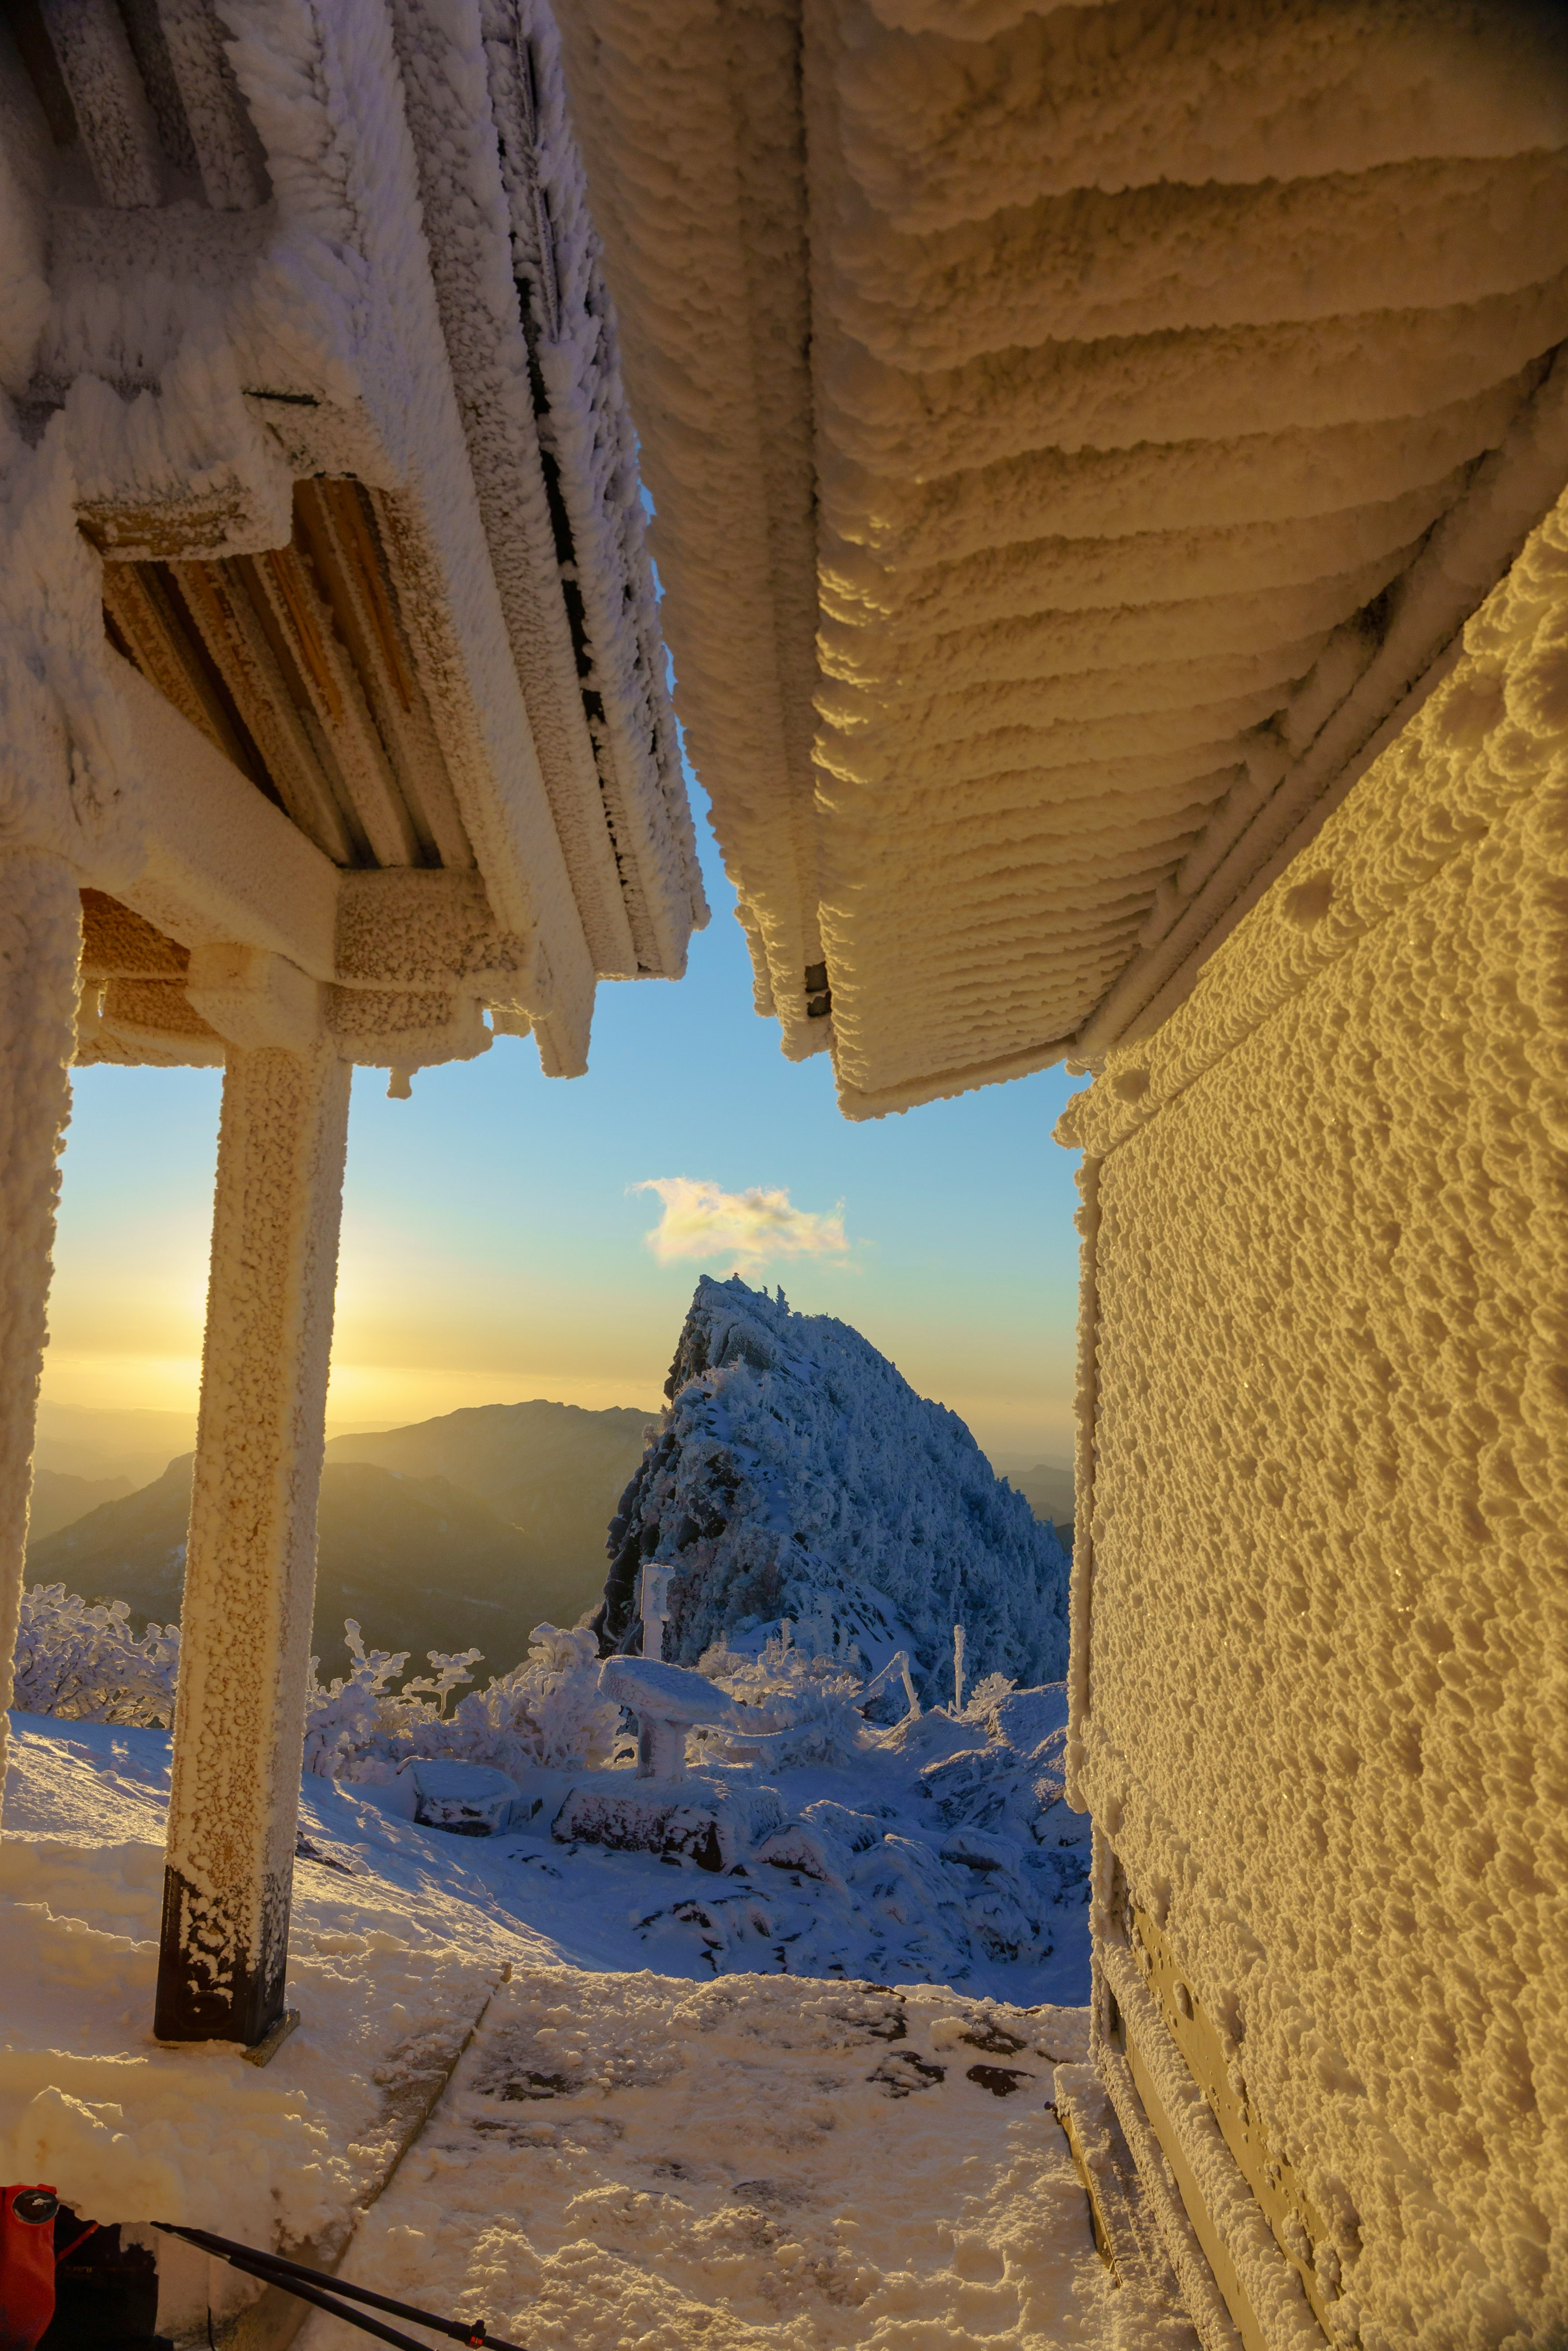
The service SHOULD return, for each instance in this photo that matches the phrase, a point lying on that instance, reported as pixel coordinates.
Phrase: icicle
(958, 1668)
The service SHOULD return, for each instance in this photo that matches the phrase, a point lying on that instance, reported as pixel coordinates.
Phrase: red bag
(26, 2265)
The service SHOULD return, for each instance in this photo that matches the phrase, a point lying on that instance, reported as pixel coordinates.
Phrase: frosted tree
(82, 1662)
(548, 1711)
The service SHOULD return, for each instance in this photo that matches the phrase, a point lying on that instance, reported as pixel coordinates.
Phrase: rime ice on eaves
(334, 725)
(1072, 431)
(1109, 464)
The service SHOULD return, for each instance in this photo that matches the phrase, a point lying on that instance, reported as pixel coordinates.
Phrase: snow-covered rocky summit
(795, 1474)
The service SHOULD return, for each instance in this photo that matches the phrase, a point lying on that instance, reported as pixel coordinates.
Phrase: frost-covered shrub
(547, 1710)
(986, 1697)
(807, 1706)
(85, 1664)
(362, 1719)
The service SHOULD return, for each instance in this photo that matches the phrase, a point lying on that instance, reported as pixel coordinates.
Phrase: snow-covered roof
(305, 334)
(1074, 433)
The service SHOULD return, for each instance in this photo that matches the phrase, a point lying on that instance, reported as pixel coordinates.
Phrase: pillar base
(208, 1988)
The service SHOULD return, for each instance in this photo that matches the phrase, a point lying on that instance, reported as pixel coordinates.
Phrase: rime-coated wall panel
(1322, 1605)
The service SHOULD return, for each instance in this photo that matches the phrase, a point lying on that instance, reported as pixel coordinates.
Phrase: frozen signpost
(652, 1603)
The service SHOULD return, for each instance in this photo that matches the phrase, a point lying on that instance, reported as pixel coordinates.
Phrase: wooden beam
(336, 539)
(111, 110)
(224, 866)
(228, 152)
(255, 659)
(117, 944)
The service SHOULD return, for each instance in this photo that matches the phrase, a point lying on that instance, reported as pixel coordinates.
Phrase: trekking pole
(327, 2292)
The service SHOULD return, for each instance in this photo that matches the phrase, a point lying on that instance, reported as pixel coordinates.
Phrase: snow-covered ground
(947, 1869)
(631, 2161)
(960, 1863)
(940, 1852)
(389, 1969)
(800, 2098)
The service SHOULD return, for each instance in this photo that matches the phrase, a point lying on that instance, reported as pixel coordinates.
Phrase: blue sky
(494, 1247)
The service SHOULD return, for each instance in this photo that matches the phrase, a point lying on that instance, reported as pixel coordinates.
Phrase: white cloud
(744, 1227)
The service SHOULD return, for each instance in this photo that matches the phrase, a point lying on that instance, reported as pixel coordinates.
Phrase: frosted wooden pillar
(40, 953)
(250, 1562)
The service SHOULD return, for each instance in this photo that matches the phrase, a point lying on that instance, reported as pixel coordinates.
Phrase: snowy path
(625, 2163)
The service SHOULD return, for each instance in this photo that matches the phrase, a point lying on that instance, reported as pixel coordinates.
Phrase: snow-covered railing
(896, 1668)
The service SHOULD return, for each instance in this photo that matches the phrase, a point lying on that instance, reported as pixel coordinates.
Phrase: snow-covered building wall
(1320, 1628)
(1160, 510)
(797, 1474)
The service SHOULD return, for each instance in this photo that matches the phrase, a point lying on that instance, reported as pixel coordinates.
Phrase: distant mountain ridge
(1047, 1488)
(418, 1542)
(458, 1532)
(553, 1471)
(417, 1563)
(95, 1442)
(60, 1498)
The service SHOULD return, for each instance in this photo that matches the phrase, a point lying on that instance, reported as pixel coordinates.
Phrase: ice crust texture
(797, 1474)
(758, 2162)
(1326, 1286)
(1038, 402)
